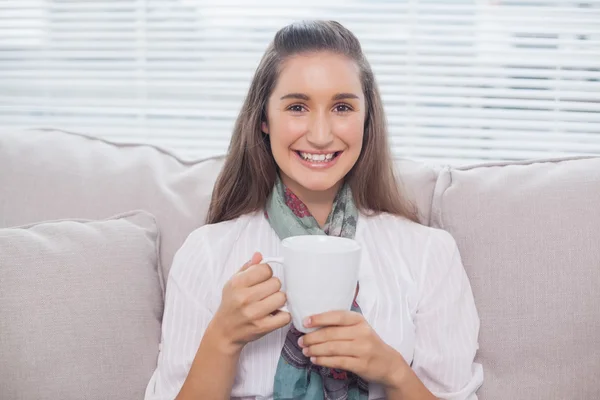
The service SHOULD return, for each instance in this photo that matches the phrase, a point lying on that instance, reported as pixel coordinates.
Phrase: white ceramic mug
(320, 274)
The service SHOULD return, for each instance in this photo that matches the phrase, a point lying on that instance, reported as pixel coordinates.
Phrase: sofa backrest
(50, 174)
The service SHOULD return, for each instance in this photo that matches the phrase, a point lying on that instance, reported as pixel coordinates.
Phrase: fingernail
(307, 322)
(313, 359)
(305, 352)
(301, 342)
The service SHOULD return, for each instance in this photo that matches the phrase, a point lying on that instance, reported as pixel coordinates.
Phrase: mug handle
(275, 260)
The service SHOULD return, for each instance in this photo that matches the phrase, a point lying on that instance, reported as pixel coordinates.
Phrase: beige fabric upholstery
(80, 309)
(528, 234)
(55, 174)
(417, 182)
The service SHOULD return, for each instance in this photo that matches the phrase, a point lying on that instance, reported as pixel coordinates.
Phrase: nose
(319, 133)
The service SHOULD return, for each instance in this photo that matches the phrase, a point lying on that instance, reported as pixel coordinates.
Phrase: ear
(265, 127)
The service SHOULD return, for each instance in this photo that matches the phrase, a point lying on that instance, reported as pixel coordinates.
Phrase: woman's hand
(346, 341)
(249, 306)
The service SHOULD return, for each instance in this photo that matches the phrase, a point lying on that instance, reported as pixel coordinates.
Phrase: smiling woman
(309, 156)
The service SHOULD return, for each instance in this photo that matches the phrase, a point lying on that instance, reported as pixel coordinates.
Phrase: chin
(318, 184)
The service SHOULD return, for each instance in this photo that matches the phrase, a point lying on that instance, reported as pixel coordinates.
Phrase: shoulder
(206, 245)
(221, 234)
(397, 226)
(428, 253)
(407, 236)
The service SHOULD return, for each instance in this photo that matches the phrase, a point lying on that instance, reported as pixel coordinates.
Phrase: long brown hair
(249, 173)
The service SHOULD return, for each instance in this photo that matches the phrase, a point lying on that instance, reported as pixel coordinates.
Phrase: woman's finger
(264, 289)
(272, 322)
(266, 306)
(350, 364)
(334, 318)
(345, 348)
(254, 275)
(255, 259)
(328, 334)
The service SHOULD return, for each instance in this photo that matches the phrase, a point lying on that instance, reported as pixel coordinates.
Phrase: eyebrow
(302, 96)
(342, 96)
(299, 96)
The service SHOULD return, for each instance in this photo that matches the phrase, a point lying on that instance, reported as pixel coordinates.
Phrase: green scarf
(296, 377)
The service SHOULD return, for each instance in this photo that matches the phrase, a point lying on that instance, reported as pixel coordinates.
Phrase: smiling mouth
(320, 157)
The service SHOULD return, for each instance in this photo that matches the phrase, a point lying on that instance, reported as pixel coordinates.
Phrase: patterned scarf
(296, 377)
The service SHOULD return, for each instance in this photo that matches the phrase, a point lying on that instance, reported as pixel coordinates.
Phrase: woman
(309, 155)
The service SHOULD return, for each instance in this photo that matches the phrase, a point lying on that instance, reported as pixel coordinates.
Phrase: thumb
(256, 258)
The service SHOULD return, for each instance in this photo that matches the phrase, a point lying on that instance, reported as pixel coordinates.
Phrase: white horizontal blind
(462, 80)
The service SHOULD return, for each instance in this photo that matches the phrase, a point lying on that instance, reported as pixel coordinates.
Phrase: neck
(319, 203)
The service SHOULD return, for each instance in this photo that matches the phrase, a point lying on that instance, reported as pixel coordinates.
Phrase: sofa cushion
(81, 306)
(528, 235)
(417, 182)
(53, 174)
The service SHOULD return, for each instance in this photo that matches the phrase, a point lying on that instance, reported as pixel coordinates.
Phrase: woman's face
(315, 120)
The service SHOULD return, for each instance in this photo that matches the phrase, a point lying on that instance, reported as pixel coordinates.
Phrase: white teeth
(317, 157)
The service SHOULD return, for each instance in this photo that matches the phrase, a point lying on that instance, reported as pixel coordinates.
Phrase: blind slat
(461, 80)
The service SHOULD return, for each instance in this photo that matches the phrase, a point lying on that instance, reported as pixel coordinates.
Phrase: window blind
(462, 80)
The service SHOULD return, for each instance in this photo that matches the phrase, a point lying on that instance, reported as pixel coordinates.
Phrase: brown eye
(296, 108)
(343, 108)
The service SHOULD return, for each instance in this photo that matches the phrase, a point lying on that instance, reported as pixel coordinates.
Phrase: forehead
(319, 73)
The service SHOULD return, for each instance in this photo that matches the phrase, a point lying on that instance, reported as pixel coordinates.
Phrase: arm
(346, 341)
(407, 385)
(446, 337)
(200, 351)
(447, 325)
(213, 370)
(187, 332)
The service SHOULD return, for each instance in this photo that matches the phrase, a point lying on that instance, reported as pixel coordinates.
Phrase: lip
(318, 151)
(318, 165)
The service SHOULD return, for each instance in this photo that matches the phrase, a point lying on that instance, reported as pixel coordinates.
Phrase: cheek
(350, 131)
(287, 130)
